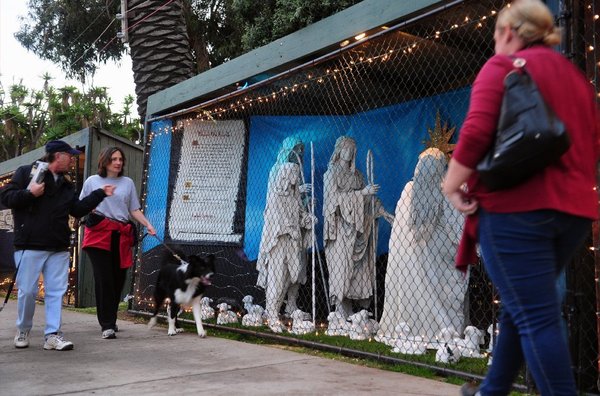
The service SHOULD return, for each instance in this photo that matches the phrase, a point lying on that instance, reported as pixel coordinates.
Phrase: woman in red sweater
(527, 233)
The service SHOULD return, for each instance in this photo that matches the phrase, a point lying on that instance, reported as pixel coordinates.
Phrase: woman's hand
(462, 203)
(150, 229)
(140, 218)
(453, 187)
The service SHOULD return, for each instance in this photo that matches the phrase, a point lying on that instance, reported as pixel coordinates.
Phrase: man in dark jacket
(42, 236)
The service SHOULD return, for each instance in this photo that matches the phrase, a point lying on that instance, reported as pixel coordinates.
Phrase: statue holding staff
(286, 233)
(350, 220)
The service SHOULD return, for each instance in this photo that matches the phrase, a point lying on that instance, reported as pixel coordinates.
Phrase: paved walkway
(148, 362)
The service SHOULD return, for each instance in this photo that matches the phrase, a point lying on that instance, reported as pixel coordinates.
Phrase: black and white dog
(183, 282)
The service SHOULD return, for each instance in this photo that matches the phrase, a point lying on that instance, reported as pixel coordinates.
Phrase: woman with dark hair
(109, 235)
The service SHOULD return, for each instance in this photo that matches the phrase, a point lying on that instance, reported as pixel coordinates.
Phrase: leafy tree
(29, 118)
(80, 34)
(269, 20)
(69, 33)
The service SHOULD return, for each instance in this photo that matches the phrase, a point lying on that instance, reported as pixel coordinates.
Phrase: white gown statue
(286, 233)
(350, 210)
(423, 290)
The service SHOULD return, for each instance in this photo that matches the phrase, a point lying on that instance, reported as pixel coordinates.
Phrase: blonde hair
(532, 20)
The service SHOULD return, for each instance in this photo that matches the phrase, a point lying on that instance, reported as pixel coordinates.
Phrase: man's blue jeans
(523, 254)
(55, 268)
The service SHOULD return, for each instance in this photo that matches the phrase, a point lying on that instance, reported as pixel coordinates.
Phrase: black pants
(109, 279)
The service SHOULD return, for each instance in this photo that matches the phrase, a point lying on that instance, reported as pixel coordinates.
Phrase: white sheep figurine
(275, 324)
(299, 325)
(338, 325)
(410, 345)
(445, 335)
(254, 317)
(402, 331)
(469, 346)
(362, 326)
(249, 305)
(206, 311)
(226, 316)
(447, 353)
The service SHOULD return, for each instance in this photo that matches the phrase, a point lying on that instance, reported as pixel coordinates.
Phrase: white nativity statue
(422, 287)
(286, 233)
(350, 210)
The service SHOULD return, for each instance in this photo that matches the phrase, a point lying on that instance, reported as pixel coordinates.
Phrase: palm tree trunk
(160, 50)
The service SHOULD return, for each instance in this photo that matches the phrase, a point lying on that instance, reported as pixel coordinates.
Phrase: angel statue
(286, 233)
(350, 211)
(423, 291)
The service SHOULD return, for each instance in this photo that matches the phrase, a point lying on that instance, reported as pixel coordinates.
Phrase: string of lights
(247, 100)
(328, 84)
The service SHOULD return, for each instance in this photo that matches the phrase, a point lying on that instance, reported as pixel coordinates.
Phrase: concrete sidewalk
(148, 362)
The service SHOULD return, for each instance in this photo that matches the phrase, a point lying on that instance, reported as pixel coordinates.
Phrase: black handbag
(529, 135)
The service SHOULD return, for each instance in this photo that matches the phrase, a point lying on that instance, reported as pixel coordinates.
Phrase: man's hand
(37, 189)
(108, 189)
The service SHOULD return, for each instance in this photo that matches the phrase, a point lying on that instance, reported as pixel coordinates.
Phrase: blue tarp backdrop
(395, 134)
(158, 181)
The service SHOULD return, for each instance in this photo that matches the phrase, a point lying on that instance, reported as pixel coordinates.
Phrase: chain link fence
(318, 189)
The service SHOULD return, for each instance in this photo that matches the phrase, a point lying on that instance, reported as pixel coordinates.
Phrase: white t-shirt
(123, 201)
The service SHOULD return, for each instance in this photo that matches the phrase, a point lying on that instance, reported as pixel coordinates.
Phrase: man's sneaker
(22, 339)
(56, 341)
(109, 334)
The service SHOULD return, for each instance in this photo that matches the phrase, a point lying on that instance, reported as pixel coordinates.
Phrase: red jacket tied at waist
(99, 236)
(467, 248)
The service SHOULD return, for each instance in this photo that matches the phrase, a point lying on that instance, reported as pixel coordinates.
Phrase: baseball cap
(58, 146)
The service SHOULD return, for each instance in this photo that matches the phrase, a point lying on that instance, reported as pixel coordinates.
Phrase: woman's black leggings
(109, 279)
